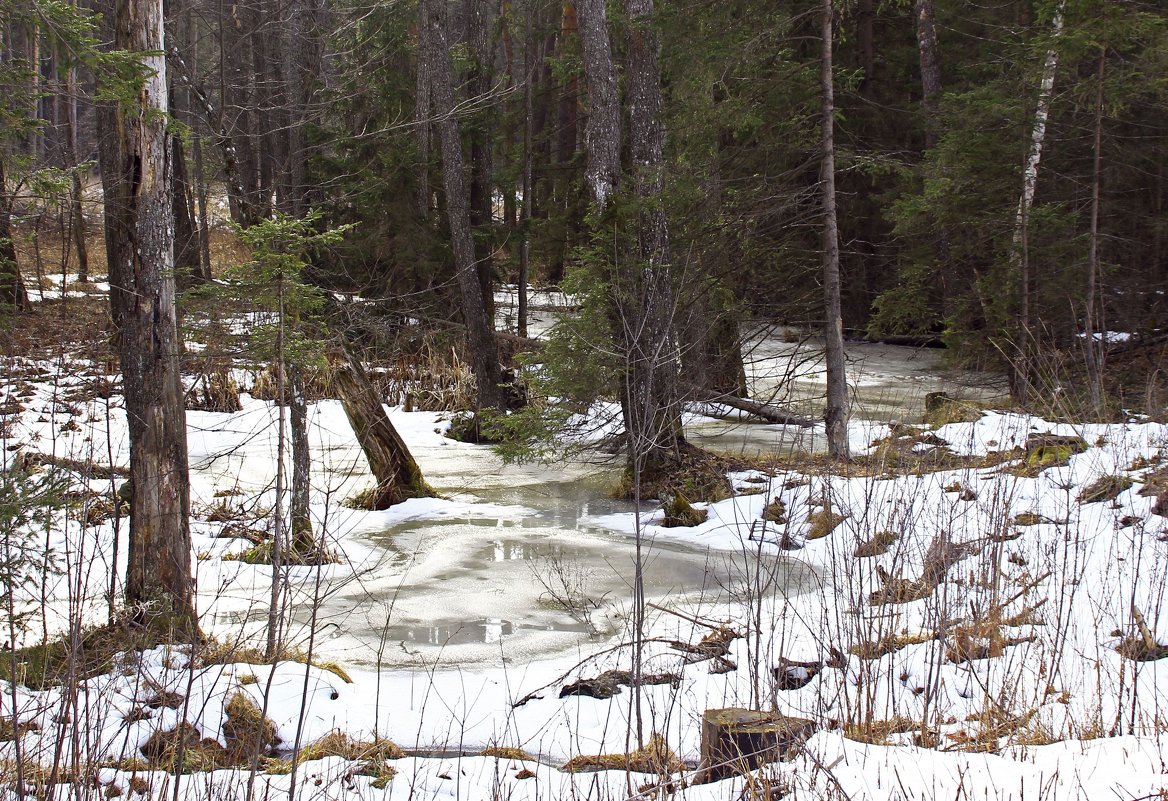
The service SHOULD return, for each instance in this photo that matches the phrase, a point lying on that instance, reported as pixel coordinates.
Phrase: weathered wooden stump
(736, 740)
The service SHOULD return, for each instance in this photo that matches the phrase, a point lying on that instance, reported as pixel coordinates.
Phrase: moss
(679, 512)
(48, 664)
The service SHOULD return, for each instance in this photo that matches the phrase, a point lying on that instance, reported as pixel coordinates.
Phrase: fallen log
(772, 414)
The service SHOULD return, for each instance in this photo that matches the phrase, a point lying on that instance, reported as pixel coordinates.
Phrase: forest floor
(985, 618)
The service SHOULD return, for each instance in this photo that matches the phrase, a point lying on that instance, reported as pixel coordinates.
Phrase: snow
(1065, 714)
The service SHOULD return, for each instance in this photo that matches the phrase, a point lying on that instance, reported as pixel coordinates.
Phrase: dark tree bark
(187, 263)
(303, 542)
(397, 474)
(12, 289)
(136, 171)
(480, 332)
(648, 314)
(602, 131)
(929, 55)
(528, 188)
(1093, 350)
(836, 416)
(479, 24)
(76, 215)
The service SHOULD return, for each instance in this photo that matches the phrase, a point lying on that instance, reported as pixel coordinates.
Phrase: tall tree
(836, 415)
(136, 176)
(1022, 379)
(435, 60)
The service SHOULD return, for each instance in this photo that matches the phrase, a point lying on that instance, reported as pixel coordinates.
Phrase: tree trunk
(12, 289)
(480, 332)
(650, 345)
(528, 199)
(1023, 376)
(303, 544)
(602, 131)
(1094, 382)
(139, 228)
(77, 217)
(929, 54)
(187, 263)
(422, 112)
(397, 474)
(836, 415)
(479, 24)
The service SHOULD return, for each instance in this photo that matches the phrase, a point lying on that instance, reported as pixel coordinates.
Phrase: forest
(597, 398)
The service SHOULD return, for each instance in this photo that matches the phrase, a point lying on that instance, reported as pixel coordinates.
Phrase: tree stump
(736, 740)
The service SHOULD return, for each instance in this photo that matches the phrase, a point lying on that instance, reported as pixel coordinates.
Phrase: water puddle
(484, 591)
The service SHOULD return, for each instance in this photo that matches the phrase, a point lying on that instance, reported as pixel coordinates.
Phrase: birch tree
(1023, 376)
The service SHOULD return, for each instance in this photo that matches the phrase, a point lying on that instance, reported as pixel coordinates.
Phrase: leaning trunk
(397, 474)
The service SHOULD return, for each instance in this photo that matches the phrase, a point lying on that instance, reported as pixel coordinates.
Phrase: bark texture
(480, 332)
(12, 289)
(602, 132)
(653, 416)
(836, 415)
(397, 474)
(136, 170)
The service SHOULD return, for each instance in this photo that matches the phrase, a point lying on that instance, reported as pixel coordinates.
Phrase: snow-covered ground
(998, 675)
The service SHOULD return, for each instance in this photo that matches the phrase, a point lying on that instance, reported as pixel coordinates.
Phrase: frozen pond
(887, 382)
(511, 589)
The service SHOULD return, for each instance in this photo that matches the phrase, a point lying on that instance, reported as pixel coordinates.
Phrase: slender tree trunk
(422, 113)
(479, 327)
(1023, 377)
(12, 289)
(77, 216)
(303, 543)
(1094, 382)
(139, 228)
(479, 23)
(397, 474)
(929, 53)
(836, 416)
(528, 199)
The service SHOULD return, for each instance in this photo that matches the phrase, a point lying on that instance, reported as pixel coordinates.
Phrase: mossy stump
(736, 740)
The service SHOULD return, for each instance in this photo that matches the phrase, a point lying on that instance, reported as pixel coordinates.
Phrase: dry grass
(655, 757)
(878, 732)
(877, 544)
(889, 643)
